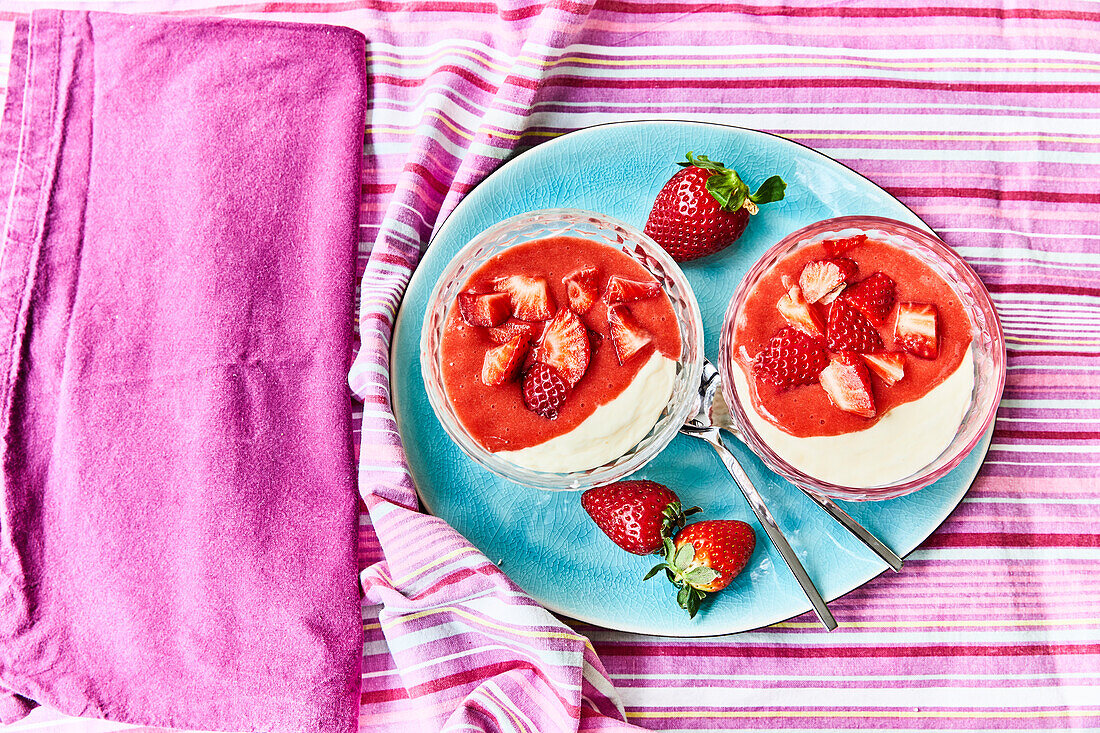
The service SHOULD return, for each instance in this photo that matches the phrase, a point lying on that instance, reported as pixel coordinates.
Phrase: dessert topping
(530, 296)
(790, 359)
(849, 330)
(564, 346)
(848, 385)
(823, 278)
(621, 290)
(583, 288)
(544, 390)
(839, 246)
(627, 335)
(915, 329)
(873, 296)
(502, 362)
(888, 365)
(505, 332)
(492, 309)
(797, 312)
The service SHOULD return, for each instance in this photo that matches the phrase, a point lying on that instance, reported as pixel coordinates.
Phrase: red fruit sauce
(806, 411)
(495, 417)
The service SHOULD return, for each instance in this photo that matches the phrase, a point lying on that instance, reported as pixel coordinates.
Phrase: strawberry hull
(496, 417)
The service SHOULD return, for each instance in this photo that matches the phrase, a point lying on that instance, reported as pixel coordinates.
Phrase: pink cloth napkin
(178, 506)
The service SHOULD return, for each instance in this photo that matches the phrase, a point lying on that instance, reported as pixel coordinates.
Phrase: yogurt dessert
(855, 361)
(560, 354)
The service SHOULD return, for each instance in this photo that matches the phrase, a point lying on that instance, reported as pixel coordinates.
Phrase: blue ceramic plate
(543, 540)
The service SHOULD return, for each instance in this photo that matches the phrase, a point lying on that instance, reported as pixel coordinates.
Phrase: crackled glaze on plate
(544, 540)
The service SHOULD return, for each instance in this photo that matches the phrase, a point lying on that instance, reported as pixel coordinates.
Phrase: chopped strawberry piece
(790, 359)
(492, 309)
(915, 329)
(627, 335)
(888, 365)
(583, 288)
(506, 332)
(595, 338)
(822, 278)
(530, 296)
(873, 296)
(839, 246)
(848, 385)
(544, 391)
(564, 346)
(849, 330)
(502, 362)
(800, 314)
(621, 290)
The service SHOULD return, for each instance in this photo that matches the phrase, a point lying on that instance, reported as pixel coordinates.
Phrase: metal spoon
(719, 416)
(700, 426)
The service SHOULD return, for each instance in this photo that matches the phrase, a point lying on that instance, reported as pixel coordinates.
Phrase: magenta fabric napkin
(179, 518)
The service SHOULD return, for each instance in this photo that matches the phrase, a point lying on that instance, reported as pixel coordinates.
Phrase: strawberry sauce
(806, 411)
(496, 417)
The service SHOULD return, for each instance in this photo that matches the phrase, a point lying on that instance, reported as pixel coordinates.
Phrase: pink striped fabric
(980, 116)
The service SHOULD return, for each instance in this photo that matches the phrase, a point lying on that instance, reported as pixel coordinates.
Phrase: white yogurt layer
(612, 429)
(902, 442)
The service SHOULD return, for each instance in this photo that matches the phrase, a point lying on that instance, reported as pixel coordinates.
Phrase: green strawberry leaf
(693, 602)
(770, 190)
(684, 555)
(656, 569)
(701, 575)
(684, 596)
(727, 188)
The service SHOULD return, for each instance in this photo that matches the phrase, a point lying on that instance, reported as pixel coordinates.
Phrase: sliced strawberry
(583, 288)
(564, 346)
(821, 278)
(888, 365)
(873, 296)
(595, 338)
(621, 290)
(800, 314)
(848, 385)
(849, 330)
(506, 332)
(839, 246)
(544, 391)
(530, 296)
(627, 335)
(502, 362)
(790, 359)
(915, 329)
(492, 309)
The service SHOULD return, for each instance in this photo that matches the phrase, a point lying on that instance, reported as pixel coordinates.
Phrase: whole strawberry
(637, 515)
(705, 207)
(704, 558)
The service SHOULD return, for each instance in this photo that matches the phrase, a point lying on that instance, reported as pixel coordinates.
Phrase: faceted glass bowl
(988, 347)
(597, 228)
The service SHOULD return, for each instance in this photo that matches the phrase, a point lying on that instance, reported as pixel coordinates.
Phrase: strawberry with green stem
(705, 207)
(704, 558)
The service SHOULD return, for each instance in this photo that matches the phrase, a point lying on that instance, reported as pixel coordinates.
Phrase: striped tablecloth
(982, 117)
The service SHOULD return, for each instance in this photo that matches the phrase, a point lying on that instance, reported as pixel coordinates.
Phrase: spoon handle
(833, 509)
(861, 533)
(760, 509)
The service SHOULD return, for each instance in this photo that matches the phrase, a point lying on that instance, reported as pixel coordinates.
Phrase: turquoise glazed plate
(544, 540)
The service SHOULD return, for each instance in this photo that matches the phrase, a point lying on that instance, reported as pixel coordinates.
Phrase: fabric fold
(176, 289)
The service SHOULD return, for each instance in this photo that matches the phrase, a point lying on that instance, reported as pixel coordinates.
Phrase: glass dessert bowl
(562, 349)
(863, 358)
